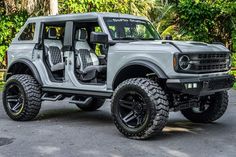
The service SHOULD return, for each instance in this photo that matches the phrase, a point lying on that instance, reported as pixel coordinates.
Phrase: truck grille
(208, 62)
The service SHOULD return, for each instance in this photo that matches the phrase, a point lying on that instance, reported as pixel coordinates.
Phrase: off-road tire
(157, 104)
(217, 107)
(93, 106)
(31, 93)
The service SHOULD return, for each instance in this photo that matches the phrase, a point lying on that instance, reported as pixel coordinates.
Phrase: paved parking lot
(62, 130)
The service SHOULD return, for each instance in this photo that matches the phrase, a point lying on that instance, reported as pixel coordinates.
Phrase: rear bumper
(201, 86)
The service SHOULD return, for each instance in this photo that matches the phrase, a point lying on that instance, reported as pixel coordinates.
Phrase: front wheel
(139, 108)
(211, 108)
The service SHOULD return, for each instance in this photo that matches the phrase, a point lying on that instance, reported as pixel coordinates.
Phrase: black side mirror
(168, 37)
(98, 37)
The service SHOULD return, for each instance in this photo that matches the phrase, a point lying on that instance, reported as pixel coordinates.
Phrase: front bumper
(201, 86)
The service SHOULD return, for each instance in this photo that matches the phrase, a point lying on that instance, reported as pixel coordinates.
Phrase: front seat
(87, 62)
(53, 49)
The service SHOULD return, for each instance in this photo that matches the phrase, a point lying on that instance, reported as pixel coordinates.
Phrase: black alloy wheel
(15, 99)
(132, 108)
(140, 108)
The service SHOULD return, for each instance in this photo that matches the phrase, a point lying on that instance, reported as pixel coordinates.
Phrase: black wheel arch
(23, 66)
(138, 68)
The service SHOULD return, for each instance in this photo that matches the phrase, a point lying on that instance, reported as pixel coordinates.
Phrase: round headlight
(184, 62)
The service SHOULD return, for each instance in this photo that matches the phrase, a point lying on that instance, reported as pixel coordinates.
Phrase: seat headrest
(52, 33)
(81, 35)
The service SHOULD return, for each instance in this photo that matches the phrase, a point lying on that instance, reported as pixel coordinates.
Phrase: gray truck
(88, 58)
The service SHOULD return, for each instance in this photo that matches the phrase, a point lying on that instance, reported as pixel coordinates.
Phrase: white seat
(87, 62)
(85, 56)
(53, 50)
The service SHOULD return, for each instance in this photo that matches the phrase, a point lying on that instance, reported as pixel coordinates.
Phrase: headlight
(184, 62)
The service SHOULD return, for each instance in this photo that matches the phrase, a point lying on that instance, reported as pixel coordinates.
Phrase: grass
(234, 87)
(1, 86)
(233, 72)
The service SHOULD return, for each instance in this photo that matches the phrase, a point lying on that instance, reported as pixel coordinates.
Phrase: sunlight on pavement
(177, 129)
(174, 153)
(162, 151)
(98, 153)
(47, 149)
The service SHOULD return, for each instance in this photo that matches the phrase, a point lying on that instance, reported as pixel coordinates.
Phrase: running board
(87, 93)
(46, 97)
(87, 101)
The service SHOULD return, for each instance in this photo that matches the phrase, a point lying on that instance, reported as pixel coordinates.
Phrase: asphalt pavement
(62, 130)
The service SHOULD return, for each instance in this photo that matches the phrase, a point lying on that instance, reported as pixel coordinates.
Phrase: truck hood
(180, 46)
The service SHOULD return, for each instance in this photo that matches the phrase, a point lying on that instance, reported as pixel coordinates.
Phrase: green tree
(208, 21)
(163, 16)
(9, 26)
(136, 7)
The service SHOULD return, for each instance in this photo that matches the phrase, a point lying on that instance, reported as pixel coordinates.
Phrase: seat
(87, 62)
(53, 49)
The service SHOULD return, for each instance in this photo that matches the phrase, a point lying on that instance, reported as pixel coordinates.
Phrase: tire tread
(32, 94)
(218, 107)
(159, 115)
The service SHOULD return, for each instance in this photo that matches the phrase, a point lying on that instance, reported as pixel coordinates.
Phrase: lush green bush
(196, 19)
(136, 7)
(234, 87)
(234, 40)
(233, 57)
(75, 6)
(233, 72)
(9, 26)
(207, 20)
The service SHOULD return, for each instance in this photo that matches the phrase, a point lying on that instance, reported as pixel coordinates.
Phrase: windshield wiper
(126, 38)
(134, 39)
(148, 39)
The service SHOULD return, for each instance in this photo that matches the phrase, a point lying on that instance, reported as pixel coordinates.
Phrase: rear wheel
(94, 105)
(22, 97)
(139, 108)
(211, 108)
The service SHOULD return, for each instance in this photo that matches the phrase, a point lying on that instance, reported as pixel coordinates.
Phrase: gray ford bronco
(88, 58)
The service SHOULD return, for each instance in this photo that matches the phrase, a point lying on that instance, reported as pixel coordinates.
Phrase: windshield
(131, 29)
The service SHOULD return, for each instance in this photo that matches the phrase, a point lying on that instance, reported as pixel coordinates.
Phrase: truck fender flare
(27, 63)
(152, 66)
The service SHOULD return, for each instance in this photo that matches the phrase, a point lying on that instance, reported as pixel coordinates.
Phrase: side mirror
(168, 37)
(98, 37)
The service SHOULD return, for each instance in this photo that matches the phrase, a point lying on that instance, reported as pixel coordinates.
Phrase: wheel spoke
(139, 120)
(12, 98)
(129, 117)
(126, 104)
(16, 106)
(133, 109)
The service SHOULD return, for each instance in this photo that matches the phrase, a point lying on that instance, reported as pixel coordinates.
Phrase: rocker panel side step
(80, 102)
(47, 97)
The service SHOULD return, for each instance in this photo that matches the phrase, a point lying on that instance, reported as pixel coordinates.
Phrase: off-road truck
(87, 58)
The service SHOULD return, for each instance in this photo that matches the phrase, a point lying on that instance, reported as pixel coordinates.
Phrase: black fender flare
(29, 64)
(150, 65)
